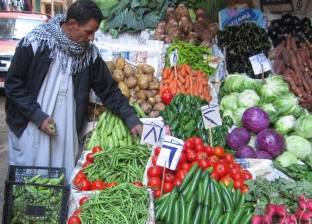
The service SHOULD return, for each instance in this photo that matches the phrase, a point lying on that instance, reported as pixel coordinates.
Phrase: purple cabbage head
(270, 141)
(238, 138)
(263, 155)
(255, 119)
(246, 152)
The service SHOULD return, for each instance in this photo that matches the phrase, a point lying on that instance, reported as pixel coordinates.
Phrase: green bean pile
(122, 164)
(124, 204)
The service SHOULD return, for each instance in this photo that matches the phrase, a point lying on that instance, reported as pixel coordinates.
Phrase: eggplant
(305, 22)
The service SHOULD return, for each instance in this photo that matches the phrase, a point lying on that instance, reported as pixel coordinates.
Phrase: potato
(143, 82)
(132, 92)
(124, 89)
(131, 82)
(128, 70)
(149, 93)
(137, 89)
(158, 99)
(159, 107)
(132, 99)
(154, 92)
(153, 114)
(146, 69)
(141, 95)
(150, 77)
(111, 66)
(118, 75)
(151, 101)
(138, 72)
(146, 107)
(154, 85)
(120, 63)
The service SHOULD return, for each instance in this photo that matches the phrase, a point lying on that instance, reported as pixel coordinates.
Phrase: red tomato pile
(81, 181)
(225, 169)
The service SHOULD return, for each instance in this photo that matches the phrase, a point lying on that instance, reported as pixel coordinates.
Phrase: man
(48, 85)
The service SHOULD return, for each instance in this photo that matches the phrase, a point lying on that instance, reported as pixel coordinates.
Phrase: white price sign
(211, 115)
(174, 57)
(260, 63)
(170, 152)
(152, 131)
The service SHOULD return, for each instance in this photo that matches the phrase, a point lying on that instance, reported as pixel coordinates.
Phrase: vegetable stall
(245, 159)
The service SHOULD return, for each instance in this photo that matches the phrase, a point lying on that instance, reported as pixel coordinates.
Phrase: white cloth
(34, 147)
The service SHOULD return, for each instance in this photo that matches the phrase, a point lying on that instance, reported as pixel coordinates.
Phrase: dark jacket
(26, 75)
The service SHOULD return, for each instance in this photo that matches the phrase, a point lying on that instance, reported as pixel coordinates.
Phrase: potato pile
(179, 25)
(138, 84)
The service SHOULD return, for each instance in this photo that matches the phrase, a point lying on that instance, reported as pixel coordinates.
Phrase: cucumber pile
(201, 200)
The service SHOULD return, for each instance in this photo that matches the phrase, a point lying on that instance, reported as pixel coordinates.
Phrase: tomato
(238, 184)
(156, 193)
(84, 185)
(244, 189)
(138, 184)
(181, 174)
(199, 148)
(154, 160)
(229, 158)
(234, 171)
(154, 183)
(209, 150)
(219, 151)
(76, 212)
(221, 168)
(177, 182)
(215, 175)
(213, 159)
(203, 164)
(246, 175)
(87, 163)
(231, 166)
(190, 155)
(157, 151)
(167, 187)
(186, 166)
(154, 171)
(169, 177)
(226, 180)
(81, 175)
(96, 149)
(83, 200)
(90, 157)
(237, 176)
(188, 145)
(182, 158)
(201, 155)
(74, 220)
(197, 141)
(78, 178)
(98, 185)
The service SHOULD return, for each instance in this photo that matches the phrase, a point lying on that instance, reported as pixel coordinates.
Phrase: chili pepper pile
(124, 203)
(108, 167)
(201, 199)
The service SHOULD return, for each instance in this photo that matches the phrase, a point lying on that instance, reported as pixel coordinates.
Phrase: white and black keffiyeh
(51, 35)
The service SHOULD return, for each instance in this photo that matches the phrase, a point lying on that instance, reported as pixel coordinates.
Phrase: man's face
(83, 33)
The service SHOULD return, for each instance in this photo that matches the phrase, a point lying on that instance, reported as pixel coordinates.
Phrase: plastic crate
(31, 203)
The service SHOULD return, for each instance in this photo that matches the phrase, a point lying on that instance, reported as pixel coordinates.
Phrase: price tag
(170, 152)
(260, 63)
(152, 131)
(211, 115)
(174, 58)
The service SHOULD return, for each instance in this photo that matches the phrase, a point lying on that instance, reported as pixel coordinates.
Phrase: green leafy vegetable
(273, 87)
(285, 124)
(286, 159)
(298, 145)
(248, 98)
(303, 126)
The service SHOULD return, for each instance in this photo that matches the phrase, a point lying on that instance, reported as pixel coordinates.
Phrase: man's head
(82, 21)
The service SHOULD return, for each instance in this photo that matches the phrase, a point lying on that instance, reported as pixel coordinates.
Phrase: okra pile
(201, 199)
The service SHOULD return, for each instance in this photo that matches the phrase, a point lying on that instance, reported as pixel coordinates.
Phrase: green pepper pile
(201, 199)
(183, 115)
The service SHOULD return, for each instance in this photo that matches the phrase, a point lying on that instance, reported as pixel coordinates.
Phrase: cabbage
(229, 102)
(260, 154)
(303, 126)
(286, 104)
(273, 87)
(239, 137)
(298, 146)
(271, 111)
(286, 159)
(237, 116)
(238, 83)
(246, 152)
(228, 113)
(255, 119)
(285, 124)
(270, 141)
(248, 98)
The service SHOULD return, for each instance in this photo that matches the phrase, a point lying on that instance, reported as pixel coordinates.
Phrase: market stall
(226, 107)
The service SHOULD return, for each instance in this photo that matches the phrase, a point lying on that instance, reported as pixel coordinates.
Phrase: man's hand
(48, 126)
(137, 130)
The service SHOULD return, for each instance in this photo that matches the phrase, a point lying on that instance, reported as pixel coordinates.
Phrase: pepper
(166, 96)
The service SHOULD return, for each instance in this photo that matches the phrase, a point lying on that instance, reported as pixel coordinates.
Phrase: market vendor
(47, 89)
